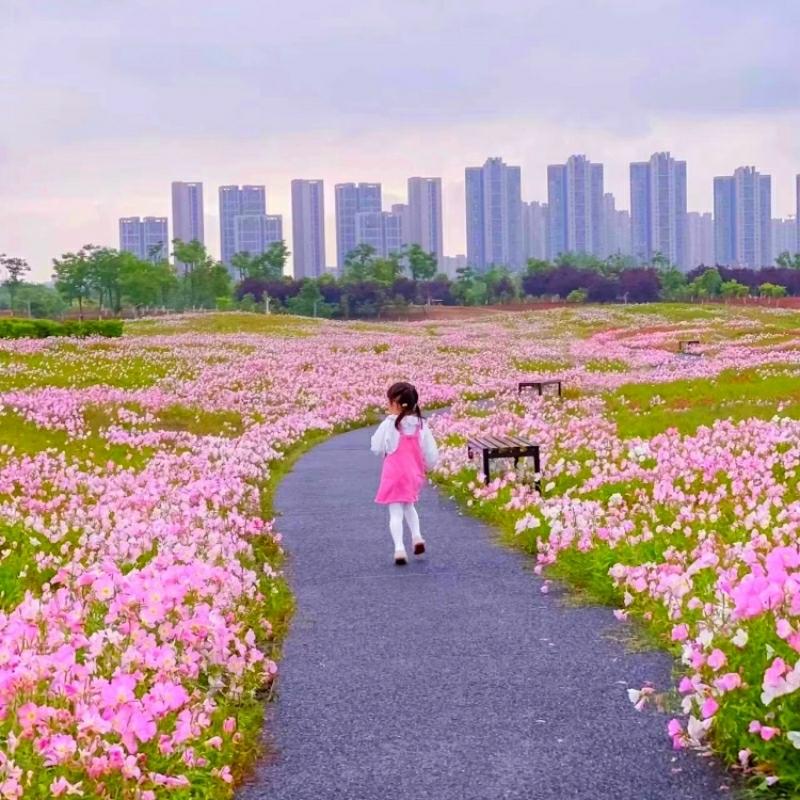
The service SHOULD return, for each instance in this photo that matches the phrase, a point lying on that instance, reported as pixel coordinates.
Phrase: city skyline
(99, 128)
(585, 218)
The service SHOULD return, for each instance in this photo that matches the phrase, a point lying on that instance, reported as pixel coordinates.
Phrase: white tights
(396, 513)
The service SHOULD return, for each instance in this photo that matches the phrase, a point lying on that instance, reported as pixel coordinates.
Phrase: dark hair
(405, 395)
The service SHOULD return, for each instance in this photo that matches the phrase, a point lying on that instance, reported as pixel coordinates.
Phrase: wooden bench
(685, 344)
(493, 447)
(539, 386)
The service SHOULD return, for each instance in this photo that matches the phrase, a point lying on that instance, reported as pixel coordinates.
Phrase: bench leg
(485, 466)
(537, 467)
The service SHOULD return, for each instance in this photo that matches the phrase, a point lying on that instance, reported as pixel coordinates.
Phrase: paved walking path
(453, 678)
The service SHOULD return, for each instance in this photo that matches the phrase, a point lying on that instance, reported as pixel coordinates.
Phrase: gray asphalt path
(453, 678)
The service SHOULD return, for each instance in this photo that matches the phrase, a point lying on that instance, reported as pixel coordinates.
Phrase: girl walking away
(408, 447)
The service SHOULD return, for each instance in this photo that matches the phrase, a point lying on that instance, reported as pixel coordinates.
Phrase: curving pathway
(453, 678)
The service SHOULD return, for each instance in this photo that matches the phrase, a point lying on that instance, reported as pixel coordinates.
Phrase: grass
(233, 322)
(645, 410)
(67, 366)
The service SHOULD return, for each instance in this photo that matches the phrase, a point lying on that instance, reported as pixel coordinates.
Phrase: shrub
(43, 328)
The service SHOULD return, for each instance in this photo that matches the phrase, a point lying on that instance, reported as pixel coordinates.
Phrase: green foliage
(268, 265)
(15, 268)
(788, 260)
(772, 290)
(11, 328)
(309, 302)
(578, 296)
(731, 289)
(421, 264)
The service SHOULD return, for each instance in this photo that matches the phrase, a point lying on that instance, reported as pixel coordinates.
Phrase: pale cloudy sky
(104, 102)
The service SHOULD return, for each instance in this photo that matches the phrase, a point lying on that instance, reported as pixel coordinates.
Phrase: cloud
(109, 102)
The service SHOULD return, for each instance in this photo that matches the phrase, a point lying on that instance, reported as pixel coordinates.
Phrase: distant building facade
(451, 264)
(743, 219)
(308, 228)
(494, 215)
(255, 233)
(381, 230)
(187, 212)
(575, 207)
(352, 199)
(147, 238)
(534, 230)
(425, 226)
(784, 237)
(235, 202)
(700, 234)
(658, 209)
(617, 224)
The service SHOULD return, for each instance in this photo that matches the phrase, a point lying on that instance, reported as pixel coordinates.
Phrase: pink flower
(709, 708)
(717, 659)
(680, 633)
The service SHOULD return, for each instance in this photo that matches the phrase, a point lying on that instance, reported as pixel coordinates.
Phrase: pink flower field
(141, 598)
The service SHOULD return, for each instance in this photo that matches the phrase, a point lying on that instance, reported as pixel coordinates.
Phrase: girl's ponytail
(405, 395)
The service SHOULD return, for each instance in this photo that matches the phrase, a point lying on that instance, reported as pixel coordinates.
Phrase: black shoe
(419, 548)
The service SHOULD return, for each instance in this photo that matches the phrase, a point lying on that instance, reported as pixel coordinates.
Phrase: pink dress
(403, 471)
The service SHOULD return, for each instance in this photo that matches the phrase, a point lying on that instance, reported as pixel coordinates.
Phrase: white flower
(794, 738)
(706, 637)
(740, 638)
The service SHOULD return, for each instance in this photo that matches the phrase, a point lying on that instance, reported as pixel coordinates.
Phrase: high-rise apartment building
(254, 233)
(147, 238)
(784, 237)
(658, 209)
(451, 264)
(575, 207)
(617, 228)
(700, 239)
(235, 202)
(381, 230)
(400, 210)
(187, 212)
(352, 199)
(425, 215)
(534, 230)
(308, 228)
(494, 215)
(743, 219)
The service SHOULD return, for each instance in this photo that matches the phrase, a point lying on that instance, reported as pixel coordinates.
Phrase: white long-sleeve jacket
(387, 437)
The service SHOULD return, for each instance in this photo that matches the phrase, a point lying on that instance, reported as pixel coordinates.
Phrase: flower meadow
(141, 595)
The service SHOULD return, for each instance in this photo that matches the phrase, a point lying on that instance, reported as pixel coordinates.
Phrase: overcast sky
(104, 102)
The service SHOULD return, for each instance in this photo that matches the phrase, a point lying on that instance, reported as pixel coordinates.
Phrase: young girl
(408, 447)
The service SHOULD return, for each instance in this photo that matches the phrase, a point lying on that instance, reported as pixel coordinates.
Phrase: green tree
(36, 300)
(537, 265)
(15, 268)
(105, 265)
(146, 284)
(385, 270)
(772, 290)
(274, 260)
(308, 302)
(709, 284)
(72, 275)
(579, 261)
(732, 289)
(422, 265)
(500, 286)
(786, 259)
(660, 262)
(469, 288)
(577, 296)
(358, 263)
(191, 257)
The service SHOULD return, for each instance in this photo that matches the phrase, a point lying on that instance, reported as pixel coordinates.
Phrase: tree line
(108, 280)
